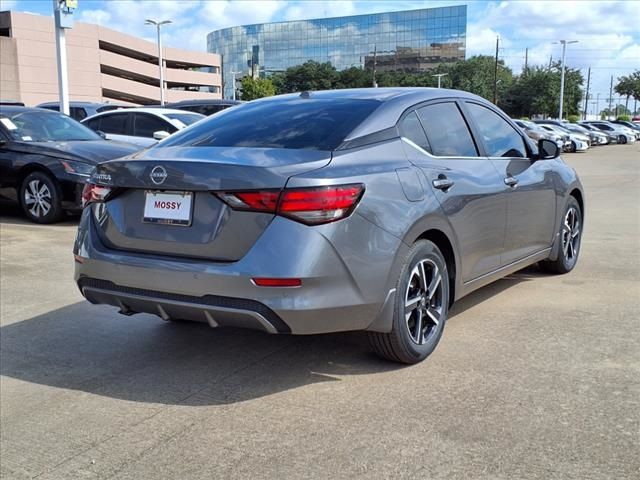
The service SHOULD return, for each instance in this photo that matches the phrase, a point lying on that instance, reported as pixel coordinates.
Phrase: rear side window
(78, 113)
(93, 124)
(447, 131)
(146, 125)
(500, 138)
(115, 123)
(299, 124)
(411, 129)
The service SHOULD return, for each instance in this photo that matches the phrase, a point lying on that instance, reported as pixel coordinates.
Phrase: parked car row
(578, 137)
(46, 157)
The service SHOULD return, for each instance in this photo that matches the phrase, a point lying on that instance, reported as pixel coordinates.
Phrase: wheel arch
(444, 244)
(34, 167)
(577, 194)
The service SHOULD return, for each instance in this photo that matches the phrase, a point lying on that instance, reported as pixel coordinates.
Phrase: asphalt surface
(536, 376)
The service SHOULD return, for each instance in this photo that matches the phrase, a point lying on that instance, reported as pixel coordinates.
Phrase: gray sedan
(366, 209)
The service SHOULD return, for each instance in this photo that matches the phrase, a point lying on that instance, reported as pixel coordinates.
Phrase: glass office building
(412, 40)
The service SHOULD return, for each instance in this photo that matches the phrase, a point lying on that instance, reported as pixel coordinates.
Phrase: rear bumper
(215, 310)
(342, 288)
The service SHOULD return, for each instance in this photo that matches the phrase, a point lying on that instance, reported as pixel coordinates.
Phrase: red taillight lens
(93, 193)
(312, 206)
(277, 282)
(318, 205)
(258, 201)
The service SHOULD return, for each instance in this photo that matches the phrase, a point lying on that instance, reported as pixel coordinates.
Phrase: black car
(45, 158)
(205, 107)
(81, 110)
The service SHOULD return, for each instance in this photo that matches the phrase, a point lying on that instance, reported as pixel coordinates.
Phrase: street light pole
(439, 76)
(160, 60)
(564, 49)
(233, 85)
(61, 57)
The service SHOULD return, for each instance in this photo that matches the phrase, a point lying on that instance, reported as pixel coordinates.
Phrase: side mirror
(547, 149)
(160, 134)
(102, 134)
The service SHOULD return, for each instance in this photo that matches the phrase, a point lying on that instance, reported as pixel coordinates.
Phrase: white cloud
(7, 5)
(319, 9)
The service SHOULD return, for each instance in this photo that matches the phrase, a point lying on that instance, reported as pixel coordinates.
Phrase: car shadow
(144, 359)
(11, 214)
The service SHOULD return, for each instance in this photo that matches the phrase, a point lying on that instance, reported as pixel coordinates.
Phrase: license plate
(168, 208)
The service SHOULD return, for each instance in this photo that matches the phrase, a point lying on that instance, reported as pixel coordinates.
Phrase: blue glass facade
(412, 40)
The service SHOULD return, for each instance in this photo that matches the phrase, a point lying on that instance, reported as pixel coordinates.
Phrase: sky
(608, 32)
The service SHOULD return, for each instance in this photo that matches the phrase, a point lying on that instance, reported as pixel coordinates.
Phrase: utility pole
(586, 98)
(439, 76)
(564, 50)
(375, 52)
(495, 74)
(598, 106)
(550, 61)
(160, 60)
(63, 16)
(233, 76)
(610, 97)
(526, 58)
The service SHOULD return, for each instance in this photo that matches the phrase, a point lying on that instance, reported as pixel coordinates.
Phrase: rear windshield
(299, 124)
(184, 118)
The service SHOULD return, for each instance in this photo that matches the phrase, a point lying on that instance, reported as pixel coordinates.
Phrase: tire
(573, 147)
(622, 139)
(570, 238)
(40, 198)
(416, 329)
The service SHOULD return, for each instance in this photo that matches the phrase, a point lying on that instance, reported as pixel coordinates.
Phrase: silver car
(366, 209)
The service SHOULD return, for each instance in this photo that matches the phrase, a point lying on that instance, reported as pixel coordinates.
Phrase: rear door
(528, 185)
(117, 126)
(466, 184)
(146, 124)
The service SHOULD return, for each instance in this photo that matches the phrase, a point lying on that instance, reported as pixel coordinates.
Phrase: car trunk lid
(190, 176)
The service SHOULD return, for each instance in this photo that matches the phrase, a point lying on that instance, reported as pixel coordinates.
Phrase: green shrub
(624, 118)
(524, 118)
(573, 118)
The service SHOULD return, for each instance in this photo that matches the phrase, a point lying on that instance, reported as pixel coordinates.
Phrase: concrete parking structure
(537, 376)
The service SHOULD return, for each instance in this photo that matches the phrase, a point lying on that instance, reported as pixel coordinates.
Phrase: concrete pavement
(536, 376)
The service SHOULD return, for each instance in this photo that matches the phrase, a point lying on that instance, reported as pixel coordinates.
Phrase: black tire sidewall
(568, 266)
(422, 250)
(55, 213)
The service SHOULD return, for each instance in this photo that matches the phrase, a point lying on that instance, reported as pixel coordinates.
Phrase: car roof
(212, 101)
(159, 112)
(78, 104)
(12, 109)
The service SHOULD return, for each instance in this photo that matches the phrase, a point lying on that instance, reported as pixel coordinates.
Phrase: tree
(309, 76)
(629, 86)
(253, 88)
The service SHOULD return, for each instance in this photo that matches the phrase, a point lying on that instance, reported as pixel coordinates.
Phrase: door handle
(511, 181)
(442, 183)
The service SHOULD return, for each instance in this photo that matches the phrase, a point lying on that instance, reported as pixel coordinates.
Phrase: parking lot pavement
(536, 376)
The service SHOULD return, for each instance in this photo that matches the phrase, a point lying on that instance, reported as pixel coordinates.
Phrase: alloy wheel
(571, 234)
(37, 198)
(423, 307)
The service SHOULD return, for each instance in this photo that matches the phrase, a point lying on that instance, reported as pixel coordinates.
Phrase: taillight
(318, 205)
(93, 193)
(311, 206)
(257, 201)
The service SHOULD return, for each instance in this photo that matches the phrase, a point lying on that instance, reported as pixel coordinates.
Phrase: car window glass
(78, 113)
(292, 122)
(411, 129)
(447, 131)
(115, 123)
(93, 124)
(146, 125)
(500, 138)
